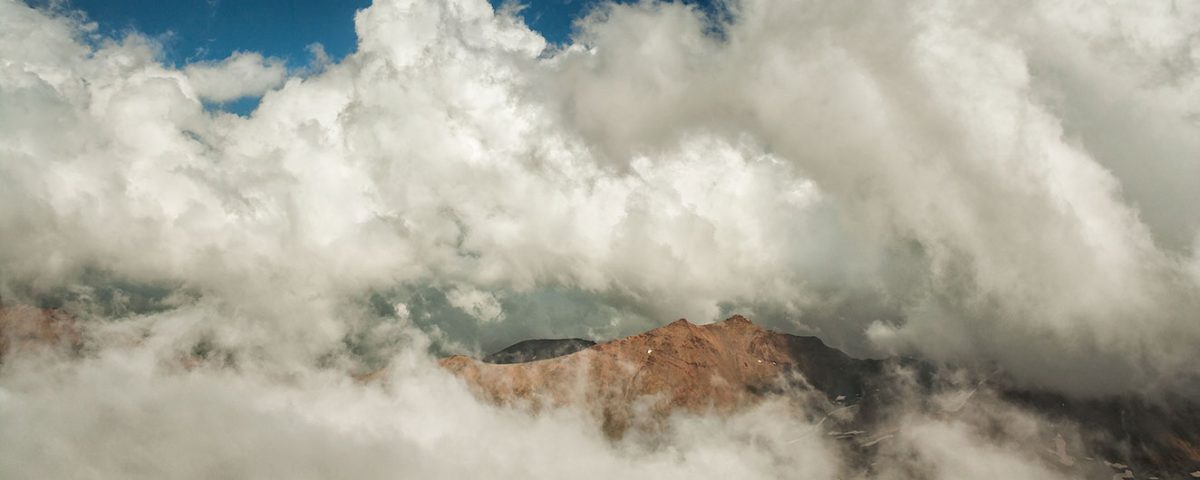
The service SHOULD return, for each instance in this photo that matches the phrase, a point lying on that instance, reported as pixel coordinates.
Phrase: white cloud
(243, 74)
(484, 306)
(1006, 185)
(893, 163)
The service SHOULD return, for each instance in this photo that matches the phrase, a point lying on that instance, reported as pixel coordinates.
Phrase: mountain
(720, 368)
(532, 350)
(24, 327)
(635, 383)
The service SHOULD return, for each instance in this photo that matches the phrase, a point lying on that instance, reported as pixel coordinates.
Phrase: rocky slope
(719, 367)
(24, 327)
(635, 382)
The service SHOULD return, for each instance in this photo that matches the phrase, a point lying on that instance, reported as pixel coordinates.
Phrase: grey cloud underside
(1007, 184)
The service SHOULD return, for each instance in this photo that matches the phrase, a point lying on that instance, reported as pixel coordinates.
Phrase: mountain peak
(738, 319)
(639, 381)
(717, 367)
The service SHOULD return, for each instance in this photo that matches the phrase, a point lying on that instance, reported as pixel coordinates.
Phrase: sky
(211, 30)
(1003, 187)
(198, 30)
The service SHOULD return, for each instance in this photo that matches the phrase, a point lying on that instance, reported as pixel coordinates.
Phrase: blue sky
(212, 29)
(192, 30)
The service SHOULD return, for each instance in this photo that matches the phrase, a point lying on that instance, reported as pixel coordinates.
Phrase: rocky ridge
(720, 368)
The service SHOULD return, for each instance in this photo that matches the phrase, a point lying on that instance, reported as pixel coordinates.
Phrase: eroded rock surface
(720, 368)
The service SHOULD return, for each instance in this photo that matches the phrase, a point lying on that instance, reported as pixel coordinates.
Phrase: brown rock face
(719, 368)
(24, 327)
(712, 368)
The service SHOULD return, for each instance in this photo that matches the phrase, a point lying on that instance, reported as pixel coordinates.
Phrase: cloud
(483, 306)
(899, 171)
(147, 421)
(991, 229)
(1001, 186)
(243, 74)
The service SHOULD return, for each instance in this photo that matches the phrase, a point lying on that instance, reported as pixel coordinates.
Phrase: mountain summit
(720, 368)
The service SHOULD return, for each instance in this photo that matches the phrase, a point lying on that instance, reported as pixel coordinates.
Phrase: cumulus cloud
(1011, 186)
(900, 169)
(243, 74)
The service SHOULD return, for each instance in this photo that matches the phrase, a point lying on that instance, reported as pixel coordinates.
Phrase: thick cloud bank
(1009, 183)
